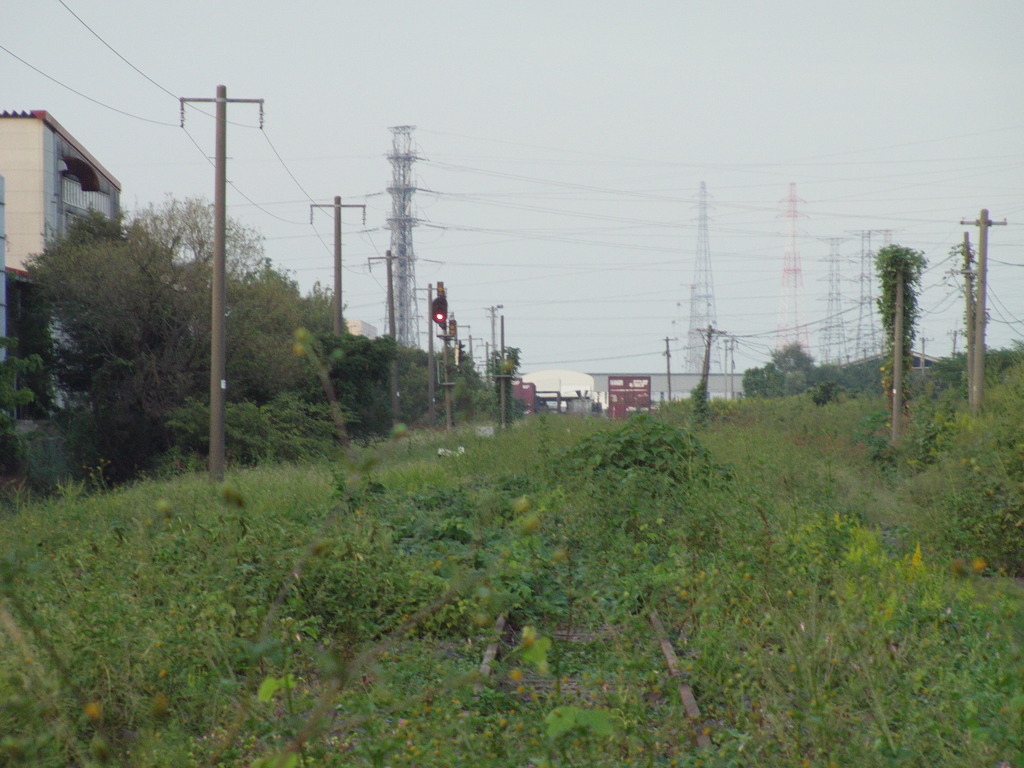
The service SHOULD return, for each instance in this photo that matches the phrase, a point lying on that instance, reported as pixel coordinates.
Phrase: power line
(84, 96)
(111, 48)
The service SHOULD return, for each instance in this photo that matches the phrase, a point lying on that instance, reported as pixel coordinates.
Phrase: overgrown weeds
(321, 616)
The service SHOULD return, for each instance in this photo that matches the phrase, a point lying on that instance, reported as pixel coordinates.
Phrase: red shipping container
(628, 395)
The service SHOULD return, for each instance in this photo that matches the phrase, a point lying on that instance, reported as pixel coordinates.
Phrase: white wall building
(50, 179)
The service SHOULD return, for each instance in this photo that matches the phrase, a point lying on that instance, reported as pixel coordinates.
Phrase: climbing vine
(892, 262)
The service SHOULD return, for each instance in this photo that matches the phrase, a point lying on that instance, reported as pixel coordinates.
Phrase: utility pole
(706, 367)
(897, 362)
(969, 315)
(388, 261)
(218, 302)
(395, 414)
(448, 384)
(431, 366)
(983, 222)
(730, 366)
(503, 376)
(668, 366)
(337, 206)
(493, 311)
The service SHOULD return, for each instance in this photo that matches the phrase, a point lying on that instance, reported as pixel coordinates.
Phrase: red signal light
(439, 310)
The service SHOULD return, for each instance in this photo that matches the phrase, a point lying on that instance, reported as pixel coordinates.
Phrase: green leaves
(646, 446)
(272, 685)
(562, 720)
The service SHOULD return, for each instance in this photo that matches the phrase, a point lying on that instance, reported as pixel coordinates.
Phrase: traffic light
(439, 311)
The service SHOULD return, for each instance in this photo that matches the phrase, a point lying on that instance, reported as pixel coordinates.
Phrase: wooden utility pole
(218, 301)
(503, 377)
(395, 413)
(897, 361)
(706, 368)
(668, 366)
(983, 222)
(431, 365)
(447, 384)
(337, 206)
(969, 315)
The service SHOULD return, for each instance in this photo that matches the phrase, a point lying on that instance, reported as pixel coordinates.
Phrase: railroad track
(503, 639)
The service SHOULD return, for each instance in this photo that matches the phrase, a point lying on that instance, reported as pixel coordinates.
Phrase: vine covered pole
(899, 271)
(897, 362)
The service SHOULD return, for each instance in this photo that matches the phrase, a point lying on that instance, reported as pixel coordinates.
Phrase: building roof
(51, 122)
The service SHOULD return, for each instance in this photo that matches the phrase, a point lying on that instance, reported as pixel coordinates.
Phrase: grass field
(830, 601)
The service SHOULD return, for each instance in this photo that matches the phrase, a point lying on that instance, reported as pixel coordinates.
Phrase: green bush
(647, 447)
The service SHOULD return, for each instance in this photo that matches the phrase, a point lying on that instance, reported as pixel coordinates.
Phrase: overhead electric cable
(84, 96)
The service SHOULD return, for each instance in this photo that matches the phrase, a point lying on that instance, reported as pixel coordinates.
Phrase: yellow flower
(916, 560)
(94, 711)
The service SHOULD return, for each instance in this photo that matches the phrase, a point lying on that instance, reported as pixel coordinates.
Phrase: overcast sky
(562, 147)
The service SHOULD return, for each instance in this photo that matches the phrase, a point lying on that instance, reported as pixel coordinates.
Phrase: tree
(129, 336)
(790, 372)
(11, 396)
(130, 308)
(768, 381)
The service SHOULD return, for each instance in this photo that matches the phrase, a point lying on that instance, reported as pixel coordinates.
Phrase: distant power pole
(431, 362)
(702, 290)
(969, 316)
(337, 206)
(401, 223)
(493, 311)
(218, 311)
(705, 371)
(983, 222)
(668, 366)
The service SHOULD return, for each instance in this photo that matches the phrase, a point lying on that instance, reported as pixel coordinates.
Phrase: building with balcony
(50, 179)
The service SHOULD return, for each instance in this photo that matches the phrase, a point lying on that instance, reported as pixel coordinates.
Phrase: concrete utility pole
(668, 366)
(983, 222)
(337, 206)
(218, 302)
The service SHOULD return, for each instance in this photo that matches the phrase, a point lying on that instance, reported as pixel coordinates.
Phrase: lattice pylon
(702, 290)
(401, 223)
(833, 337)
(791, 329)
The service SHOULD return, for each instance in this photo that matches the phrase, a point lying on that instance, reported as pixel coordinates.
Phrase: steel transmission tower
(833, 341)
(401, 223)
(790, 328)
(702, 290)
(866, 342)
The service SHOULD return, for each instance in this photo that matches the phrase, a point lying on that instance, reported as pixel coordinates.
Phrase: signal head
(439, 311)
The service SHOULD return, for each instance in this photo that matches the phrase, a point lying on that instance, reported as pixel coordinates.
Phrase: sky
(561, 146)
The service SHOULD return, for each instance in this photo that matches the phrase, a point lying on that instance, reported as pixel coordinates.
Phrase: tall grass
(327, 616)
